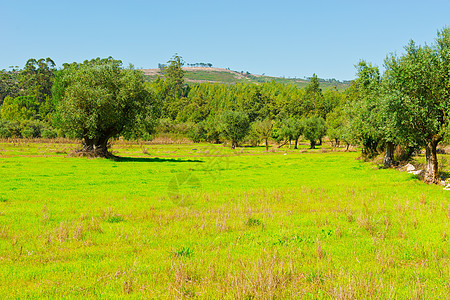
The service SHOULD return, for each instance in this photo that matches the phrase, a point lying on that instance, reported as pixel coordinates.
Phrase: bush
(212, 131)
(31, 129)
(167, 125)
(197, 133)
(9, 129)
(49, 133)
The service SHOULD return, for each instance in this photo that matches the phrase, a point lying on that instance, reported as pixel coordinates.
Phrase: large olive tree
(418, 84)
(98, 99)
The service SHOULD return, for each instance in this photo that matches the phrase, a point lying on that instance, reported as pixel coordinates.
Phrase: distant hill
(226, 76)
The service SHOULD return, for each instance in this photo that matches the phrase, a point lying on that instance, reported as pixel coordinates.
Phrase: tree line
(407, 106)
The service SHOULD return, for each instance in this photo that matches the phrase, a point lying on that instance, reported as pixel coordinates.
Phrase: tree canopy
(99, 99)
(418, 91)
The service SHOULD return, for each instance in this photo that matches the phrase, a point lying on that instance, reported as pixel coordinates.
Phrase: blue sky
(279, 38)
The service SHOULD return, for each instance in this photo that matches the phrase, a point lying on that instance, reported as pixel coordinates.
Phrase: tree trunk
(267, 145)
(432, 173)
(285, 142)
(296, 143)
(389, 157)
(233, 145)
(320, 142)
(96, 147)
(313, 144)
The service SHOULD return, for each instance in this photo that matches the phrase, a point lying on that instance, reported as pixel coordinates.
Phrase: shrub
(49, 133)
(197, 133)
(9, 129)
(31, 129)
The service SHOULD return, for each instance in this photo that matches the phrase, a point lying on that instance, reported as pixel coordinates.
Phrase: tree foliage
(263, 130)
(314, 129)
(234, 125)
(418, 85)
(99, 99)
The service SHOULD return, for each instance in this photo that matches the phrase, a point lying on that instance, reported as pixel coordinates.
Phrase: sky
(277, 38)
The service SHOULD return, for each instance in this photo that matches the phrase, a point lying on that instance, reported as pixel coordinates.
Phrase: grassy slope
(243, 224)
(231, 77)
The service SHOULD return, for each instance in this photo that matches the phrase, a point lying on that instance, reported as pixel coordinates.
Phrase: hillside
(225, 76)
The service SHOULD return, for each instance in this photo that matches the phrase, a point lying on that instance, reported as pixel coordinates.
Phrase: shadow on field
(154, 159)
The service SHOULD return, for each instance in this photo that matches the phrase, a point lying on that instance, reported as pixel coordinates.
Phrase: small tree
(98, 100)
(291, 129)
(174, 76)
(314, 129)
(364, 111)
(234, 125)
(264, 130)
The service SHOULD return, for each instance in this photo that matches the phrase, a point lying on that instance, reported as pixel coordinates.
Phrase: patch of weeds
(327, 233)
(251, 222)
(294, 238)
(3, 199)
(314, 277)
(115, 219)
(188, 292)
(183, 252)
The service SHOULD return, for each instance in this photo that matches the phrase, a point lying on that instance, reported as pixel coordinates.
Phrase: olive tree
(418, 85)
(290, 129)
(98, 99)
(234, 125)
(314, 128)
(264, 130)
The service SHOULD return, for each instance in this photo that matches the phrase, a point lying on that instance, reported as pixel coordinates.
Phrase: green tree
(314, 129)
(234, 125)
(98, 100)
(313, 100)
(290, 130)
(9, 85)
(418, 87)
(337, 124)
(37, 78)
(263, 129)
(174, 76)
(364, 109)
(19, 108)
(212, 129)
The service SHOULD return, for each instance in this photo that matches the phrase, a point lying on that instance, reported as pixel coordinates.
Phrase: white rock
(447, 188)
(409, 168)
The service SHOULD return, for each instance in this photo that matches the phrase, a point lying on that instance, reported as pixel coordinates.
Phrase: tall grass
(262, 225)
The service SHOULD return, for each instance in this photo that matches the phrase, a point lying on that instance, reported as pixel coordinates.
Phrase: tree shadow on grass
(155, 159)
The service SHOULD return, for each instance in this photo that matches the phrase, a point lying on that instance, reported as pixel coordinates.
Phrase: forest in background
(407, 106)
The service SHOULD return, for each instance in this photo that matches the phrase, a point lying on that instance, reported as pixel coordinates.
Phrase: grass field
(221, 76)
(203, 221)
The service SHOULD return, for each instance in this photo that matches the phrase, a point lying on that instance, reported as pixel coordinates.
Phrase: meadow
(204, 221)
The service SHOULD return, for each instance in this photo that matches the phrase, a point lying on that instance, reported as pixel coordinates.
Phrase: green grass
(216, 76)
(198, 220)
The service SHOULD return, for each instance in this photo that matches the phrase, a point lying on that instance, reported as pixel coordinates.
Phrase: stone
(418, 173)
(410, 168)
